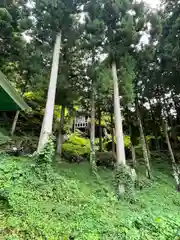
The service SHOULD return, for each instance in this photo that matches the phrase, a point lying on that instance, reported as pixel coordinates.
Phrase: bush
(76, 148)
(127, 143)
(139, 152)
(4, 139)
(106, 159)
(28, 144)
(142, 182)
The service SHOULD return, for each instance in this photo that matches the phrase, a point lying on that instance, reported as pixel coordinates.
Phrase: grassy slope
(68, 201)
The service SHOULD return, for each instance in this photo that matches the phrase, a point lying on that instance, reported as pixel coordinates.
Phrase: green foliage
(127, 142)
(104, 82)
(142, 182)
(67, 201)
(28, 144)
(4, 131)
(5, 23)
(149, 138)
(76, 146)
(124, 177)
(93, 163)
(4, 138)
(127, 76)
(139, 152)
(47, 154)
(106, 159)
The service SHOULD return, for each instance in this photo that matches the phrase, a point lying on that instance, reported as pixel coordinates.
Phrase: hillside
(66, 202)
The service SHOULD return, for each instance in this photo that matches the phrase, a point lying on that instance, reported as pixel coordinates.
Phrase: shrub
(28, 144)
(127, 143)
(4, 139)
(75, 148)
(142, 182)
(106, 159)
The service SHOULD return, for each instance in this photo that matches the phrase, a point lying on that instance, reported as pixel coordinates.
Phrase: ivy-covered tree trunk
(124, 178)
(143, 142)
(176, 172)
(100, 131)
(60, 133)
(120, 150)
(13, 129)
(92, 132)
(46, 129)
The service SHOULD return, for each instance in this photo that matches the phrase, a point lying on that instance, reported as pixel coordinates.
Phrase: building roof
(9, 98)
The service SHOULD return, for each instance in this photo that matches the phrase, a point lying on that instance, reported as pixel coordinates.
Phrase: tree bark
(175, 168)
(60, 133)
(46, 129)
(74, 124)
(120, 151)
(92, 131)
(100, 132)
(133, 152)
(165, 113)
(13, 129)
(153, 118)
(143, 142)
(147, 147)
(177, 107)
(113, 135)
(71, 120)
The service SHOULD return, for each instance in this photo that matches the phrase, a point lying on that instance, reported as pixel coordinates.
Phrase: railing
(81, 124)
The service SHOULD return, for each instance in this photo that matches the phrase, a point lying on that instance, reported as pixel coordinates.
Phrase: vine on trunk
(125, 181)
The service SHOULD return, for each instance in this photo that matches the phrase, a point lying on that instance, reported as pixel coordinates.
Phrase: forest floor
(66, 202)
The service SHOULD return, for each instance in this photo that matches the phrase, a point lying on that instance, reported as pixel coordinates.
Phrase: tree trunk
(174, 165)
(15, 123)
(147, 147)
(60, 133)
(92, 132)
(153, 118)
(143, 142)
(100, 132)
(120, 151)
(133, 152)
(71, 120)
(13, 129)
(165, 113)
(74, 124)
(113, 135)
(177, 107)
(46, 129)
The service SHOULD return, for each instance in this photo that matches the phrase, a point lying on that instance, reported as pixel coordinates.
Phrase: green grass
(66, 201)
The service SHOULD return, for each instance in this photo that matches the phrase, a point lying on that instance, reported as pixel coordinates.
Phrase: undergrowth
(41, 201)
